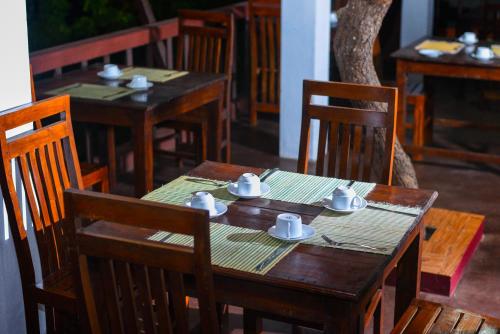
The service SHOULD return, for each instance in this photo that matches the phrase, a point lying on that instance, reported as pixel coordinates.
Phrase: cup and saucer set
(344, 200)
(113, 72)
(289, 228)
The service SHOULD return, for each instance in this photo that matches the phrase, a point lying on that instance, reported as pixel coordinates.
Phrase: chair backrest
(47, 162)
(134, 285)
(348, 136)
(265, 44)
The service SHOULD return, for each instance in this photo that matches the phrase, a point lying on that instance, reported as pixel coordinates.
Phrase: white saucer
(462, 40)
(220, 208)
(232, 188)
(430, 53)
(150, 84)
(105, 76)
(473, 55)
(328, 200)
(307, 232)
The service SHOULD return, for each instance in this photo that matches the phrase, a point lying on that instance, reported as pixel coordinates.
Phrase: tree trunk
(358, 26)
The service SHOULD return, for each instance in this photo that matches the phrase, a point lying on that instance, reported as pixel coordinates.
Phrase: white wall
(305, 54)
(14, 91)
(416, 20)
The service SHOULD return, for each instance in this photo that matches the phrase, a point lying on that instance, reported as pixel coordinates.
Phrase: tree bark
(359, 23)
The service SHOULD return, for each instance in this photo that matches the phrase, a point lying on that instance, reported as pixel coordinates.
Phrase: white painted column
(15, 90)
(305, 54)
(417, 20)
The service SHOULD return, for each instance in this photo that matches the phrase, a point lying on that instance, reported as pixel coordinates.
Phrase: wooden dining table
(143, 110)
(321, 286)
(460, 65)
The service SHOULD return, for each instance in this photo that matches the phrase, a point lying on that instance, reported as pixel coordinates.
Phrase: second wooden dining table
(323, 286)
(142, 110)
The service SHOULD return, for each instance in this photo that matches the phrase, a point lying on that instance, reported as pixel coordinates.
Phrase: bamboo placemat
(308, 189)
(236, 247)
(496, 50)
(382, 226)
(443, 46)
(182, 188)
(90, 91)
(155, 75)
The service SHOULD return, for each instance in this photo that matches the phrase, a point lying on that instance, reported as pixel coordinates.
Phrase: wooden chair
(94, 176)
(47, 163)
(347, 135)
(265, 44)
(426, 317)
(131, 285)
(205, 44)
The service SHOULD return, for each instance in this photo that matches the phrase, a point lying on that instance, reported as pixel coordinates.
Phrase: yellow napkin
(443, 46)
(496, 49)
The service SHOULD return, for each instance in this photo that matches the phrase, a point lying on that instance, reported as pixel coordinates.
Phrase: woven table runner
(496, 50)
(182, 188)
(236, 247)
(95, 92)
(152, 74)
(380, 226)
(443, 46)
(308, 189)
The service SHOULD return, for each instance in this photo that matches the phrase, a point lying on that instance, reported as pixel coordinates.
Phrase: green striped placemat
(381, 227)
(153, 74)
(236, 247)
(182, 188)
(94, 92)
(308, 189)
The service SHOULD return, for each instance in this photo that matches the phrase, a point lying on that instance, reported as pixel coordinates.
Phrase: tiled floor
(461, 186)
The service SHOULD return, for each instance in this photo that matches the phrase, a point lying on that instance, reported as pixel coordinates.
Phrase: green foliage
(54, 22)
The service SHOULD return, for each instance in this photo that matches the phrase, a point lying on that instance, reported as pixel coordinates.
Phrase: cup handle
(357, 205)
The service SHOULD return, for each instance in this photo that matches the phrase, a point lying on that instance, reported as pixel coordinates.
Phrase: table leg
(408, 276)
(110, 140)
(252, 323)
(401, 80)
(349, 324)
(143, 157)
(215, 122)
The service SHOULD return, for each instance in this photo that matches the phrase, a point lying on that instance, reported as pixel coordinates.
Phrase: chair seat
(57, 290)
(428, 317)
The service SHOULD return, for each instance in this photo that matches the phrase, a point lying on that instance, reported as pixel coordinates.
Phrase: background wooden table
(460, 65)
(314, 284)
(164, 101)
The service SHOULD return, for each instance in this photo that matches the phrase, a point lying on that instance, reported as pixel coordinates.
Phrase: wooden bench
(451, 239)
(427, 317)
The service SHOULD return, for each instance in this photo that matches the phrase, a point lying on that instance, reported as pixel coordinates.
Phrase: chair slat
(356, 152)
(263, 59)
(320, 161)
(129, 303)
(368, 153)
(333, 135)
(112, 297)
(272, 60)
(345, 150)
(159, 292)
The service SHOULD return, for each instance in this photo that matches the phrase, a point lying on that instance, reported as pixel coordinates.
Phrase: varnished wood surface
(342, 273)
(164, 102)
(424, 317)
(342, 128)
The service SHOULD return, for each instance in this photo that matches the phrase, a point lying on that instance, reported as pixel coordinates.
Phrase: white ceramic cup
(249, 185)
(139, 81)
(484, 52)
(469, 37)
(111, 70)
(204, 200)
(289, 225)
(345, 198)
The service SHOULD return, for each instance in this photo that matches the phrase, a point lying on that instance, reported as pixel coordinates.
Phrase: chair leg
(110, 139)
(253, 114)
(378, 320)
(419, 125)
(31, 316)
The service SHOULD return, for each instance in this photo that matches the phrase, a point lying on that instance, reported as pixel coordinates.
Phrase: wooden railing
(102, 47)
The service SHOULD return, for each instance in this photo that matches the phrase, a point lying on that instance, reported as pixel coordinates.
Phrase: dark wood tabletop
(160, 93)
(308, 269)
(461, 58)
